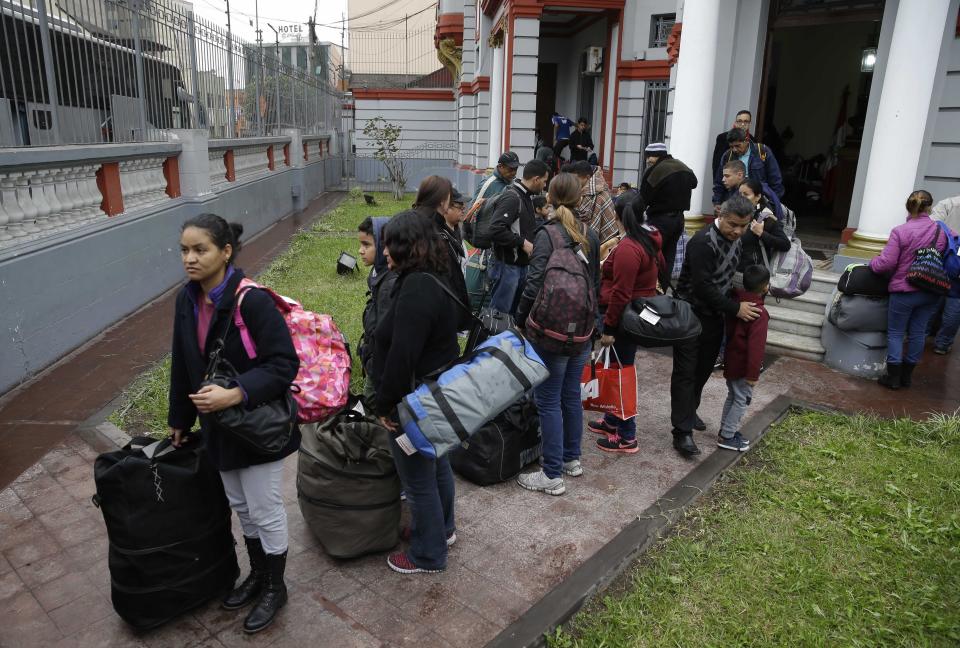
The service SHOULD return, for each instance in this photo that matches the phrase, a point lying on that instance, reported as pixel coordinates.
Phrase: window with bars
(660, 27)
(654, 116)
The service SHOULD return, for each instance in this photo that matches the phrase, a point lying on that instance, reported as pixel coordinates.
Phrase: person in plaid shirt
(596, 207)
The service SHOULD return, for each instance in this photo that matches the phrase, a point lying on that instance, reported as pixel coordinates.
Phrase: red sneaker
(400, 562)
(600, 426)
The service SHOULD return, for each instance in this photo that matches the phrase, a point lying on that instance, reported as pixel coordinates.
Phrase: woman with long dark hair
(558, 399)
(765, 230)
(629, 271)
(204, 314)
(414, 339)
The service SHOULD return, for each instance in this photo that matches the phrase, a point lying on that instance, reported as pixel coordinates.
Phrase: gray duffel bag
(859, 313)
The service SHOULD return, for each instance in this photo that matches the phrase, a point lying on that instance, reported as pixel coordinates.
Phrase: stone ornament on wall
(495, 40)
(673, 43)
(451, 56)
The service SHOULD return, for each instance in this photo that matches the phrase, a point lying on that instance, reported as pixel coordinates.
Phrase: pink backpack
(322, 385)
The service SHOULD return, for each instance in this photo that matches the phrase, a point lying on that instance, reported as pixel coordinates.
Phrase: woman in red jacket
(629, 272)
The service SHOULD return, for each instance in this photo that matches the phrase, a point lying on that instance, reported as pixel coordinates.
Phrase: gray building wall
(56, 297)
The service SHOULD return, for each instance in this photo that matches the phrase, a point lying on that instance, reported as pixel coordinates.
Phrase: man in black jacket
(712, 256)
(580, 141)
(665, 194)
(511, 230)
(743, 120)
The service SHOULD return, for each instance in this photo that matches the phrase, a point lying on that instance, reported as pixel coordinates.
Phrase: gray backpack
(347, 484)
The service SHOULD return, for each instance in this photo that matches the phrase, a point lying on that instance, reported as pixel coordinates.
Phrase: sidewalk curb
(560, 604)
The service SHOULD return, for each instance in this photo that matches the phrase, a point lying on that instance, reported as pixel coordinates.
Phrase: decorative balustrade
(44, 192)
(250, 162)
(218, 168)
(315, 148)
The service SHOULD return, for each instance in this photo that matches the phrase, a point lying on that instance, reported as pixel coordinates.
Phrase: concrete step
(796, 322)
(811, 302)
(823, 282)
(796, 346)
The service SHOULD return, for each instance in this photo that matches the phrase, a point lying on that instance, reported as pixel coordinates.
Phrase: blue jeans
(739, 395)
(561, 410)
(506, 285)
(428, 484)
(626, 353)
(949, 324)
(908, 316)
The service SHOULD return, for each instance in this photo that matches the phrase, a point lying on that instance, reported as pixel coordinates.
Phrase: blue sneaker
(736, 442)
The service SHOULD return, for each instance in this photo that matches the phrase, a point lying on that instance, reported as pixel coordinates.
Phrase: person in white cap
(664, 195)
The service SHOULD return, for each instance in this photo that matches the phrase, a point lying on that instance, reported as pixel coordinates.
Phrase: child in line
(380, 284)
(541, 210)
(746, 343)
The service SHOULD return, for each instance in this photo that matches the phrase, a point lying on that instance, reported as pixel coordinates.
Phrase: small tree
(386, 148)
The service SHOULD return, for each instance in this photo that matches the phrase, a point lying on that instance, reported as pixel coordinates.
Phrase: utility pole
(276, 78)
(406, 45)
(256, 18)
(343, 60)
(233, 97)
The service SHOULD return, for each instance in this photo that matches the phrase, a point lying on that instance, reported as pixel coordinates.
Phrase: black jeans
(692, 365)
(671, 228)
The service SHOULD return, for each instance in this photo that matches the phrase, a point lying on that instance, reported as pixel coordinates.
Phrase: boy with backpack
(379, 295)
(746, 342)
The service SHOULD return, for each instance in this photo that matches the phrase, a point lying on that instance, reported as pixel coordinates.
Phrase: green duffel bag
(347, 484)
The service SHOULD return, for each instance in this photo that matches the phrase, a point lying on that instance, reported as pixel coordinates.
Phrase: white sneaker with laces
(572, 468)
(538, 481)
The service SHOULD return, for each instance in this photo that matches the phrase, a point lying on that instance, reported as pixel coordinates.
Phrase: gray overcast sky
(279, 13)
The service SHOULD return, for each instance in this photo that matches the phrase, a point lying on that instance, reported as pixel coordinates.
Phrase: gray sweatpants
(739, 395)
(254, 493)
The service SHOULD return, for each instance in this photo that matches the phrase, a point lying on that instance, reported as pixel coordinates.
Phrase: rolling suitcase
(168, 521)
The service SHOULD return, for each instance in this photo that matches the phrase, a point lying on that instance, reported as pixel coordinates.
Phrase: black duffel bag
(859, 279)
(347, 484)
(489, 322)
(168, 521)
(501, 448)
(659, 321)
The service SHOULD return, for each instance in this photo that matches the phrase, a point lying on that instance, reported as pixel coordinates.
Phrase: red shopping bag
(611, 389)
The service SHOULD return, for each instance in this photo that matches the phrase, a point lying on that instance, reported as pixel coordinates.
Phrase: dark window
(42, 120)
(660, 27)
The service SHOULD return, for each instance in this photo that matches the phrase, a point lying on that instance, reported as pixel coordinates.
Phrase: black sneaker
(615, 444)
(736, 442)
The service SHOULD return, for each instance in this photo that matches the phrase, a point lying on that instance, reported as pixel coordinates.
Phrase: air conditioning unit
(592, 61)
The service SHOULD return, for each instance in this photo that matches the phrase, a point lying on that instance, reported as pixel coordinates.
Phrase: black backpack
(478, 230)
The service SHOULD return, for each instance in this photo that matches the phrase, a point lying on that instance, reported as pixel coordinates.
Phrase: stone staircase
(795, 323)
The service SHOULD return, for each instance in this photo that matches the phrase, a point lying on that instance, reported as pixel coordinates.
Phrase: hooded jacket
(762, 167)
(380, 284)
(901, 249)
(774, 239)
(746, 341)
(666, 188)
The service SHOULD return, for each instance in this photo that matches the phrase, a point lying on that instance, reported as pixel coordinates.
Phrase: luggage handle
(158, 448)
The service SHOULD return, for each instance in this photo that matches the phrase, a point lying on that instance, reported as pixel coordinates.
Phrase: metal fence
(396, 59)
(97, 71)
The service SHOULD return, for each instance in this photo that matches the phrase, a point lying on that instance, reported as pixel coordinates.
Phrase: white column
(606, 157)
(496, 106)
(690, 135)
(901, 116)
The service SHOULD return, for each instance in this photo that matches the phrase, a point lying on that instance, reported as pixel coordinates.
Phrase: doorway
(546, 100)
(817, 76)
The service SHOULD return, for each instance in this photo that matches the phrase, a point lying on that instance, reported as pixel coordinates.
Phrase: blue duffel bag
(444, 411)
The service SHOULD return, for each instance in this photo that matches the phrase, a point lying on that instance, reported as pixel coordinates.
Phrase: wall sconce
(868, 60)
(346, 264)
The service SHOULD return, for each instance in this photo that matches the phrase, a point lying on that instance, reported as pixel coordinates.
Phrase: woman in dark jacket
(433, 202)
(765, 229)
(629, 271)
(558, 399)
(204, 315)
(417, 337)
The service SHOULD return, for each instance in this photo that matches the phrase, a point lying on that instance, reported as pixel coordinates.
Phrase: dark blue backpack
(951, 262)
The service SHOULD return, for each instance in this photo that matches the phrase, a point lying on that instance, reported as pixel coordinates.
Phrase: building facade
(860, 99)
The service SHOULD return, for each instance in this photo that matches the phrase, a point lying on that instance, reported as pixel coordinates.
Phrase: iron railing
(660, 27)
(99, 71)
(654, 116)
(396, 59)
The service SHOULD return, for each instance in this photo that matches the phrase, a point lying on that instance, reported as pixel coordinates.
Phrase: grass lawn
(305, 272)
(835, 531)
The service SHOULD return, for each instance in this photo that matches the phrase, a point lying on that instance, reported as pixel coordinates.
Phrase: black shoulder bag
(265, 429)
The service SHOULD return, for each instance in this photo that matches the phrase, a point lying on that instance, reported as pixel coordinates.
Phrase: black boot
(249, 589)
(683, 443)
(891, 379)
(274, 595)
(906, 374)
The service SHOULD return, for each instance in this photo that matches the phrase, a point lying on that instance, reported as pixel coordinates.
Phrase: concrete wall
(636, 29)
(939, 170)
(57, 296)
(423, 121)
(525, 44)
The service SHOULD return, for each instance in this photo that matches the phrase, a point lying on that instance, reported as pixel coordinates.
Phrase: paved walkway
(513, 545)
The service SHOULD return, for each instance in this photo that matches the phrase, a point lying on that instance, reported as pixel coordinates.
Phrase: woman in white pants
(204, 310)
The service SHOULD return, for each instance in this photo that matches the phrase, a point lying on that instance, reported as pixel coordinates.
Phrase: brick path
(513, 545)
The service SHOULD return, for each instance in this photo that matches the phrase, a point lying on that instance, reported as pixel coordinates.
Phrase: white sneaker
(572, 468)
(538, 481)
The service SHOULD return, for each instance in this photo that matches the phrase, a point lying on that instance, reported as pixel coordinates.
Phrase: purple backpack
(564, 313)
